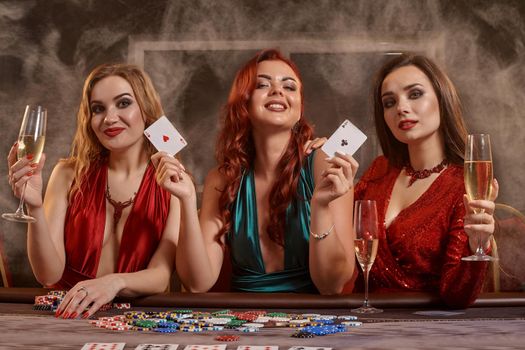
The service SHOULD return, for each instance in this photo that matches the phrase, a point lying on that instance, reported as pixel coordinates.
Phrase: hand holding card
(163, 135)
(346, 139)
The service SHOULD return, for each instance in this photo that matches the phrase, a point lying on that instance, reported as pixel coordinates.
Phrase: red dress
(422, 248)
(86, 219)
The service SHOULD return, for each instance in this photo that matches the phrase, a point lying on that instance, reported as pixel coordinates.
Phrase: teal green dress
(248, 272)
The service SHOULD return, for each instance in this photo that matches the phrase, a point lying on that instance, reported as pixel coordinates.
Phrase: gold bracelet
(322, 235)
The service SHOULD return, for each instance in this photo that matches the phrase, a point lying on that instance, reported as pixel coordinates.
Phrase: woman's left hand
(479, 224)
(95, 292)
(336, 180)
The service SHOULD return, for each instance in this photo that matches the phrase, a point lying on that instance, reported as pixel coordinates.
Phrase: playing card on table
(103, 346)
(257, 347)
(157, 347)
(346, 139)
(163, 135)
(206, 347)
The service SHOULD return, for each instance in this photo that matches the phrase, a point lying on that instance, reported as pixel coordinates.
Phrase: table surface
(497, 321)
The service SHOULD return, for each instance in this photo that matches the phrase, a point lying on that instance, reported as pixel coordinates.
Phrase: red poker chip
(227, 337)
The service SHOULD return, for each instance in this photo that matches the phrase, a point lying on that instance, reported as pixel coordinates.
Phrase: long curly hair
(235, 150)
(452, 125)
(86, 149)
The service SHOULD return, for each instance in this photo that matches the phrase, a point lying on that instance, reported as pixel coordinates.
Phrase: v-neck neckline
(418, 199)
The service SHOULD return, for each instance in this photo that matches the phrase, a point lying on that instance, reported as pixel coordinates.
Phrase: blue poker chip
(164, 330)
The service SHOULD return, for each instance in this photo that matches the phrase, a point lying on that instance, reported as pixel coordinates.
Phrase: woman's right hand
(171, 175)
(26, 171)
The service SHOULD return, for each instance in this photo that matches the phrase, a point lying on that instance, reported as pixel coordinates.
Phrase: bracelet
(322, 235)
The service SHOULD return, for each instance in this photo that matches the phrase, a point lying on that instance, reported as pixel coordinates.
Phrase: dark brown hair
(452, 126)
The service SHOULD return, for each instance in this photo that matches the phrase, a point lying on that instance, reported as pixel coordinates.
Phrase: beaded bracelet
(322, 235)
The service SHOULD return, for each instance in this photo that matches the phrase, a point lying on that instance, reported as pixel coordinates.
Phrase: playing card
(257, 347)
(103, 346)
(346, 139)
(157, 347)
(206, 347)
(163, 135)
(308, 348)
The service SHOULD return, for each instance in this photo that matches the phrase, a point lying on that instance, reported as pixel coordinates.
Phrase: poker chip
(352, 323)
(227, 337)
(248, 329)
(302, 334)
(254, 325)
(164, 330)
(347, 317)
(122, 306)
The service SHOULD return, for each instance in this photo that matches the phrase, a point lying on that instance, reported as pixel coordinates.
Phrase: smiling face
(276, 100)
(116, 117)
(410, 104)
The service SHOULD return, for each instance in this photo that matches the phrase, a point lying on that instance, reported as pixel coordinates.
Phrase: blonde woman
(104, 228)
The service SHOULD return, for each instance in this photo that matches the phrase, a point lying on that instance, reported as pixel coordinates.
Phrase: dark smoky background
(192, 49)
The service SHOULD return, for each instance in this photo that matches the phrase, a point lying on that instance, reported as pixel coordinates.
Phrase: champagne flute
(478, 181)
(30, 141)
(366, 242)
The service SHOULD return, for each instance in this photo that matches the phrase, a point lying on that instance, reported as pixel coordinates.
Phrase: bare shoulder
(63, 173)
(215, 179)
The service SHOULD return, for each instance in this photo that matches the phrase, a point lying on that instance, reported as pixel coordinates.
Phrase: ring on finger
(83, 289)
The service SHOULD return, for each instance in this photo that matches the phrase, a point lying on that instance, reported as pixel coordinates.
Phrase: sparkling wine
(478, 179)
(366, 251)
(29, 144)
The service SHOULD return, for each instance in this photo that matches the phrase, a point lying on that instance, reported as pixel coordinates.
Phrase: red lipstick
(112, 132)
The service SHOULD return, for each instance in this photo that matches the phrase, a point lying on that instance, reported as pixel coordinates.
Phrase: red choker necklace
(422, 174)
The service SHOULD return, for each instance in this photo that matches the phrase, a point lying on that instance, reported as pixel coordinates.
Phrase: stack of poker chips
(53, 298)
(306, 325)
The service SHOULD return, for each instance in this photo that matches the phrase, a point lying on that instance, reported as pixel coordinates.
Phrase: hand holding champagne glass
(366, 243)
(30, 142)
(478, 181)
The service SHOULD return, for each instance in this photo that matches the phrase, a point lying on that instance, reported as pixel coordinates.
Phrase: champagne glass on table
(30, 141)
(478, 182)
(366, 243)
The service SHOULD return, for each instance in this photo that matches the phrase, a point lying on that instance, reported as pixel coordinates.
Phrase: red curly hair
(235, 150)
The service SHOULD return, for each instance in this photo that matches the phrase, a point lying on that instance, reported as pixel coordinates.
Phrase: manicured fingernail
(74, 315)
(58, 313)
(29, 173)
(30, 156)
(66, 315)
(33, 165)
(85, 314)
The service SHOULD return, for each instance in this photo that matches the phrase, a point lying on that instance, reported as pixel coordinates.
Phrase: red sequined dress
(86, 219)
(422, 248)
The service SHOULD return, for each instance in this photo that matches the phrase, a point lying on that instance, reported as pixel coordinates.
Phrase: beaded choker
(422, 174)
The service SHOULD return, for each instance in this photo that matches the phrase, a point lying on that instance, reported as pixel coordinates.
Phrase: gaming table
(409, 321)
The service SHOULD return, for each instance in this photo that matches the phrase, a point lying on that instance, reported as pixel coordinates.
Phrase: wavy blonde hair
(86, 149)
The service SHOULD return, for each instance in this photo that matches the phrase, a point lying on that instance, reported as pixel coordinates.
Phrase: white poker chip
(248, 329)
(263, 319)
(352, 323)
(281, 319)
(299, 321)
(311, 315)
(255, 325)
(218, 320)
(347, 317)
(326, 317)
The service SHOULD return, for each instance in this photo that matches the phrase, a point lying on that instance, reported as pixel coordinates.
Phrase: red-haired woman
(284, 215)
